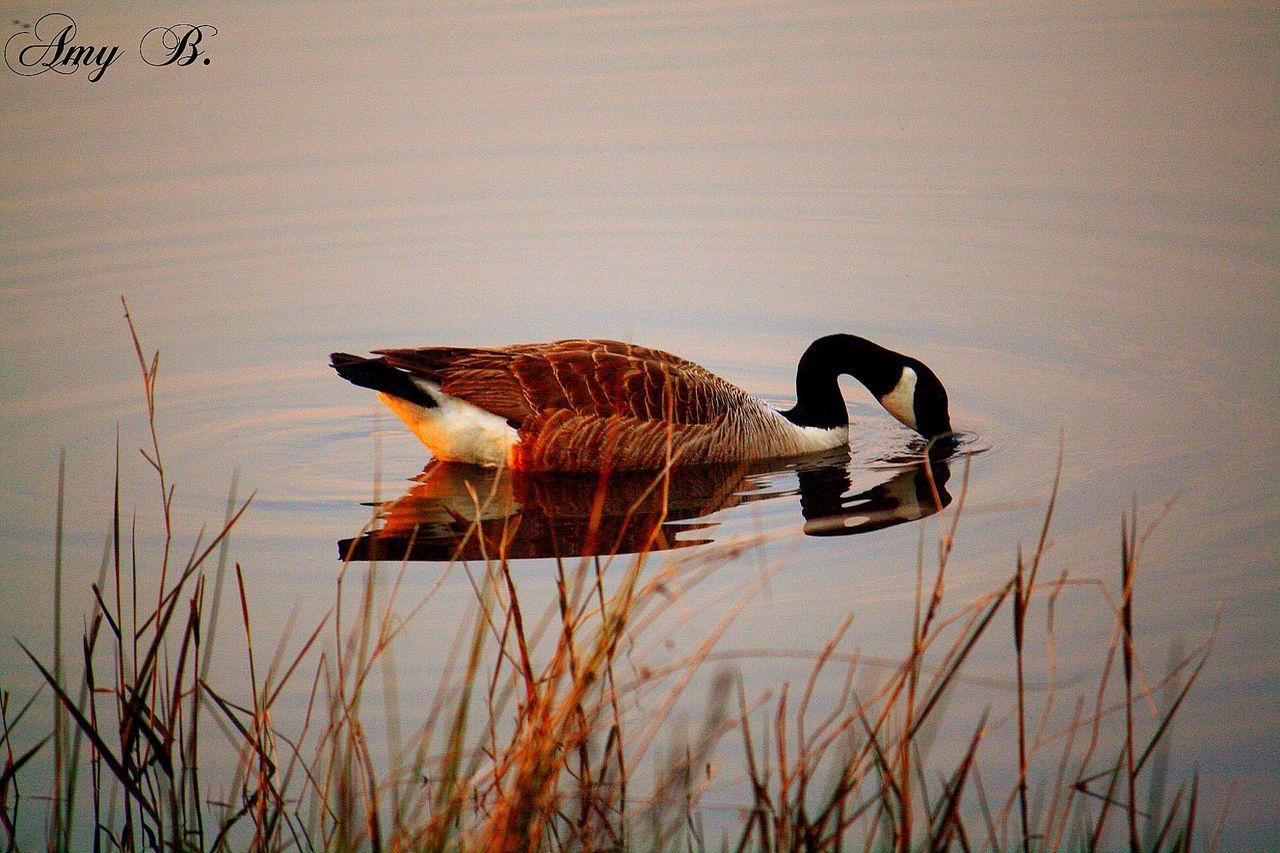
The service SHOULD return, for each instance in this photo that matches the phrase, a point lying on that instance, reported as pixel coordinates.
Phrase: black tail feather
(377, 374)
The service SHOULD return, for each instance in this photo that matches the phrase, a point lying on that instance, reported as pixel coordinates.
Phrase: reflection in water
(464, 512)
(907, 495)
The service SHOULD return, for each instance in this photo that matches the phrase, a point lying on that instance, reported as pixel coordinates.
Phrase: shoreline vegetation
(549, 730)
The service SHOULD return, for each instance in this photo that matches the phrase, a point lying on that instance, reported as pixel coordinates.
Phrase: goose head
(905, 386)
(918, 399)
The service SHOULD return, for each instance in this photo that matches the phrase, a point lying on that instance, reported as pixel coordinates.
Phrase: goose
(600, 405)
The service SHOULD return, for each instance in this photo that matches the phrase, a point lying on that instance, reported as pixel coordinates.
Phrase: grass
(551, 730)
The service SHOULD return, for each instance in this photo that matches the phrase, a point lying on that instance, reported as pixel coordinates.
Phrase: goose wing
(582, 379)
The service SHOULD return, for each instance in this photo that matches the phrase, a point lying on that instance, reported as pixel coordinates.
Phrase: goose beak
(933, 420)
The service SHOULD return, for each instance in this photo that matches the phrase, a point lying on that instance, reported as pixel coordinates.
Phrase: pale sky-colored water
(1068, 211)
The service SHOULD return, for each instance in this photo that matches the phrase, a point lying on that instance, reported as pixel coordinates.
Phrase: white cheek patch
(901, 401)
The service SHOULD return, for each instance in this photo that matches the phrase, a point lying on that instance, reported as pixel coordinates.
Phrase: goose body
(591, 405)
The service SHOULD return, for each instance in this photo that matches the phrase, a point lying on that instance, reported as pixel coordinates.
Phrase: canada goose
(592, 405)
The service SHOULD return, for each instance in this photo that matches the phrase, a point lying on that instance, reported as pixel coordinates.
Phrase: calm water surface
(1069, 212)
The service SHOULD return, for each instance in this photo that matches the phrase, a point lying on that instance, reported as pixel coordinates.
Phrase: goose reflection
(458, 511)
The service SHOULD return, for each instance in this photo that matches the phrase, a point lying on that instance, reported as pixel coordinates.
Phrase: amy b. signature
(51, 45)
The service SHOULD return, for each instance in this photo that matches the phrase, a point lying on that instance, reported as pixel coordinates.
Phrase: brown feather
(585, 405)
(585, 377)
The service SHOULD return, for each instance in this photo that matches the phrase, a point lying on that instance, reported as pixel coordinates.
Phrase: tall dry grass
(537, 733)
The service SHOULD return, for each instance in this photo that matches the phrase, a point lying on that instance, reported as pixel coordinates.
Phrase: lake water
(1070, 212)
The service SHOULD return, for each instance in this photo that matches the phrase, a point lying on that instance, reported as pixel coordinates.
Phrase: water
(1070, 214)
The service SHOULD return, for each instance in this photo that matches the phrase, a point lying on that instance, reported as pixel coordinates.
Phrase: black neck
(819, 402)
